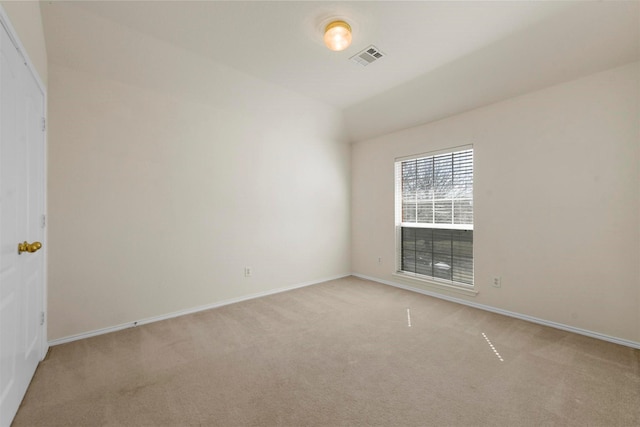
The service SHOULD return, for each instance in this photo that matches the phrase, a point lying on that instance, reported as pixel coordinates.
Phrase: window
(434, 216)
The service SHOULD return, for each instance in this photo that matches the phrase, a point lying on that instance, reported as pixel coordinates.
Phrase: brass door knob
(29, 247)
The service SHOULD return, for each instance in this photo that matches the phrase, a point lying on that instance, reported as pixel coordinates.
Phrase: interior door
(21, 220)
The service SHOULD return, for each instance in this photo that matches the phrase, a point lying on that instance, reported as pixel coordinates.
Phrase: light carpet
(340, 353)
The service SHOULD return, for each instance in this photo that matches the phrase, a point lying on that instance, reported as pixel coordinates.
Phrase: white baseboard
(122, 326)
(628, 343)
(597, 335)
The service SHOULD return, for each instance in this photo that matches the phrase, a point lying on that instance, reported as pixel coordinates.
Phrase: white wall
(557, 201)
(162, 189)
(27, 21)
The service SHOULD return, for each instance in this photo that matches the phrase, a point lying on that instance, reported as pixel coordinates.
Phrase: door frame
(13, 35)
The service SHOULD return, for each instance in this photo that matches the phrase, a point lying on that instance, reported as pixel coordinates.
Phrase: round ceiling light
(337, 36)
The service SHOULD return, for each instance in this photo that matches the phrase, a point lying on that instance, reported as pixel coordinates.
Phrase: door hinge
(41, 318)
(44, 124)
(43, 223)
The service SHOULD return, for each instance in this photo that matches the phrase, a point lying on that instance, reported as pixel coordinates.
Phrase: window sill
(434, 284)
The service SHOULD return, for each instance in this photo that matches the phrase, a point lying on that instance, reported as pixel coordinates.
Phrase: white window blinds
(437, 191)
(434, 215)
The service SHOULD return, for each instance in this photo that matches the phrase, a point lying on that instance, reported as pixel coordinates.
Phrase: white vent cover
(367, 56)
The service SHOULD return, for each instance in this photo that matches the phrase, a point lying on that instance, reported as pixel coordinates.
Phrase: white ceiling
(432, 49)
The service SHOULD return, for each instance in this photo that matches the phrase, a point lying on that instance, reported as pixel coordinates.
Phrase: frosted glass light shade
(337, 36)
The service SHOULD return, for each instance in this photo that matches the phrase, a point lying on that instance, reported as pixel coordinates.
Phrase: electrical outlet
(248, 271)
(496, 282)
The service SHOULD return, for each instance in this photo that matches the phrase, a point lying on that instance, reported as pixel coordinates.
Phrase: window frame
(438, 283)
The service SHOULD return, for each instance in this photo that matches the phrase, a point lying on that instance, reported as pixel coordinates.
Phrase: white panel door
(21, 220)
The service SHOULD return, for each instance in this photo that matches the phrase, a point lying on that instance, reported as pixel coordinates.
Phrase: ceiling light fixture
(337, 36)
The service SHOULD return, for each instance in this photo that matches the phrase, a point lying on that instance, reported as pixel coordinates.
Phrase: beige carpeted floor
(339, 353)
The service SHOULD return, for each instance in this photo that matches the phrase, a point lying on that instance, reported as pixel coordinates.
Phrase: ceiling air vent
(367, 56)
